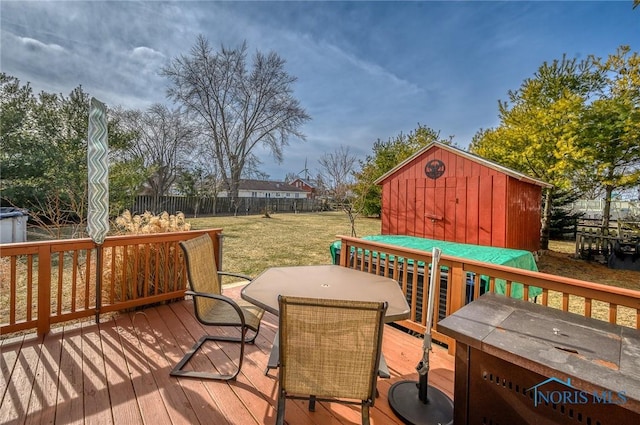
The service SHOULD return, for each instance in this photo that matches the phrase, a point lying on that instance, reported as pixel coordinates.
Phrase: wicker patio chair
(329, 351)
(214, 309)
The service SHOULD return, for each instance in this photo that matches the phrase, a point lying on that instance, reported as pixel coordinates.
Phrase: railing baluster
(60, 281)
(29, 287)
(405, 278)
(87, 279)
(44, 289)
(396, 269)
(375, 261)
(173, 283)
(414, 296)
(74, 280)
(125, 266)
(137, 286)
(13, 291)
(112, 280)
(156, 278)
(476, 286)
(613, 313)
(146, 248)
(436, 301)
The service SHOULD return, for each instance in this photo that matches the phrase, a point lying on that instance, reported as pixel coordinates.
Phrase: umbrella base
(406, 404)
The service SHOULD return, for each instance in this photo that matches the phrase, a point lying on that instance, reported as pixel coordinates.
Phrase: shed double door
(456, 209)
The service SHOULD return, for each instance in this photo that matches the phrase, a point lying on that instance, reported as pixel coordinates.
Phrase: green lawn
(253, 243)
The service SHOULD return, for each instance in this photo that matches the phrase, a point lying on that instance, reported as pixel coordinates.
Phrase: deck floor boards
(117, 371)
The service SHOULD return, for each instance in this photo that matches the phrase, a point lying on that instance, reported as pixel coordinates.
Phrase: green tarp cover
(488, 254)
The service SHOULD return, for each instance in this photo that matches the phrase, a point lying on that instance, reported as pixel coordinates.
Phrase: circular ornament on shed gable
(434, 169)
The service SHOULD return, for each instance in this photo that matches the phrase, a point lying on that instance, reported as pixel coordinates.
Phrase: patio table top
(326, 281)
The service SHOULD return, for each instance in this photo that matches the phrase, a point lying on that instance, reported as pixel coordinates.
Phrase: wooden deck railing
(42, 283)
(462, 280)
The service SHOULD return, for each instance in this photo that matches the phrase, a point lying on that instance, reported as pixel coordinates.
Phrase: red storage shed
(444, 193)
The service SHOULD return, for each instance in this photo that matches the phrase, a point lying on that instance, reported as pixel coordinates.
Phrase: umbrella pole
(418, 403)
(423, 371)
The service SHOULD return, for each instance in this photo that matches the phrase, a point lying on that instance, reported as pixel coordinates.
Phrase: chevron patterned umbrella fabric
(98, 175)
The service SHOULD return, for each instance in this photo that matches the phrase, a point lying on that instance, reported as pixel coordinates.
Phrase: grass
(253, 243)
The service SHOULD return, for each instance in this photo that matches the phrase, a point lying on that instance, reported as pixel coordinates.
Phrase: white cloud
(146, 53)
(33, 45)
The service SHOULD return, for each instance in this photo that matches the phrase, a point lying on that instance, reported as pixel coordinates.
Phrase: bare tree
(163, 142)
(336, 169)
(290, 177)
(201, 177)
(239, 107)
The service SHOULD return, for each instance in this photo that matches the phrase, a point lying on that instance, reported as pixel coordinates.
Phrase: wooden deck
(117, 372)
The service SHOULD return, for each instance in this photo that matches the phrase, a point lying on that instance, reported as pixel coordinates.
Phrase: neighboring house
(266, 189)
(306, 186)
(444, 193)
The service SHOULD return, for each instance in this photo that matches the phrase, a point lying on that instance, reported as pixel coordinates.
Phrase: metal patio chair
(211, 308)
(329, 351)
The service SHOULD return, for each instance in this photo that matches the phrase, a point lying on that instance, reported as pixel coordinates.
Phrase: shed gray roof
(483, 161)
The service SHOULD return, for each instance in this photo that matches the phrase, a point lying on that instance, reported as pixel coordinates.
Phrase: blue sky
(366, 70)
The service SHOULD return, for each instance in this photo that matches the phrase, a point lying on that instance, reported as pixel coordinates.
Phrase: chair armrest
(242, 276)
(222, 298)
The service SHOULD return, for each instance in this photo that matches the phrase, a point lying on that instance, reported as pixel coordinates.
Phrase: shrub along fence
(196, 206)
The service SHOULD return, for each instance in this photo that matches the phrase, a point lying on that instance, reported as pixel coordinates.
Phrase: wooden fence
(198, 206)
(593, 244)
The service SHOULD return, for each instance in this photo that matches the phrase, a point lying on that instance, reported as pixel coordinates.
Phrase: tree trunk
(546, 219)
(235, 188)
(348, 209)
(606, 213)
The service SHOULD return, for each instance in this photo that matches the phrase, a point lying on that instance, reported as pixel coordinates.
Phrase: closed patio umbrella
(98, 185)
(417, 402)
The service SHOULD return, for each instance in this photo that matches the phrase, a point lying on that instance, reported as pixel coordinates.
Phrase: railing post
(344, 252)
(44, 289)
(457, 288)
(218, 241)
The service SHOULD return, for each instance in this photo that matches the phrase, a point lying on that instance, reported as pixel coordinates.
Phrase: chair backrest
(330, 348)
(201, 269)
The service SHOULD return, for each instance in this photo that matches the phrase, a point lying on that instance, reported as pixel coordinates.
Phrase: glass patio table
(325, 281)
